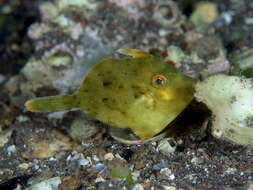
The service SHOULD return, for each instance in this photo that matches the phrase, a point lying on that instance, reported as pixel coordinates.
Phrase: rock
(230, 100)
(196, 160)
(11, 149)
(109, 156)
(41, 147)
(50, 184)
(69, 183)
(2, 79)
(204, 13)
(165, 147)
(23, 166)
(82, 128)
(5, 136)
(166, 174)
(138, 187)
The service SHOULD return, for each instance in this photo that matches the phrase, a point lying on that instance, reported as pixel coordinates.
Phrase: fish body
(142, 93)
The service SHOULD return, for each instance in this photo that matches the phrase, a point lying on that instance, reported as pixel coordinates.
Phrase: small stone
(165, 147)
(249, 20)
(19, 187)
(168, 187)
(196, 160)
(109, 156)
(58, 61)
(22, 118)
(119, 157)
(138, 187)
(50, 184)
(5, 136)
(2, 78)
(135, 175)
(75, 156)
(95, 158)
(11, 149)
(69, 183)
(230, 171)
(46, 145)
(56, 115)
(159, 166)
(139, 166)
(98, 167)
(24, 166)
(205, 12)
(227, 17)
(82, 129)
(99, 179)
(166, 173)
(84, 162)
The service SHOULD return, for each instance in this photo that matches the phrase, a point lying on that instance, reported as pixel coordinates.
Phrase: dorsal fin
(135, 53)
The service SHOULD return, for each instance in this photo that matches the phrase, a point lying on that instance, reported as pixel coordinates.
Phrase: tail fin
(53, 103)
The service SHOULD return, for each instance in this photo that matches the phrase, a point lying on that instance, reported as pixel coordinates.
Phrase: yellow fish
(142, 93)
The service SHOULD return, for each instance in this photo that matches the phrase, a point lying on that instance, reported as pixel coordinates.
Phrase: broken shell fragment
(230, 98)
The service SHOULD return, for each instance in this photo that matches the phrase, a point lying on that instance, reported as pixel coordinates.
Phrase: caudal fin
(52, 103)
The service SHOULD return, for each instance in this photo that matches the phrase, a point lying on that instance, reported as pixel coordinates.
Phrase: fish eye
(159, 80)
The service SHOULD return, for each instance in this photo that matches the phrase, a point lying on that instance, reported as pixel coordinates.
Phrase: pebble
(95, 158)
(24, 166)
(230, 171)
(135, 175)
(5, 136)
(249, 20)
(47, 144)
(11, 149)
(2, 79)
(227, 17)
(159, 166)
(196, 160)
(165, 147)
(138, 187)
(22, 118)
(83, 162)
(50, 184)
(98, 167)
(166, 173)
(79, 157)
(109, 156)
(81, 129)
(139, 166)
(165, 187)
(99, 179)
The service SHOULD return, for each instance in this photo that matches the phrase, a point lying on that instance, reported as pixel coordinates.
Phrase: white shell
(230, 98)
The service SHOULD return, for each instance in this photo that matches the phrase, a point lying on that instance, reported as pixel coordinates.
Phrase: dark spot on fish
(135, 86)
(124, 73)
(123, 112)
(230, 132)
(136, 96)
(121, 86)
(107, 83)
(105, 99)
(233, 99)
(249, 121)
